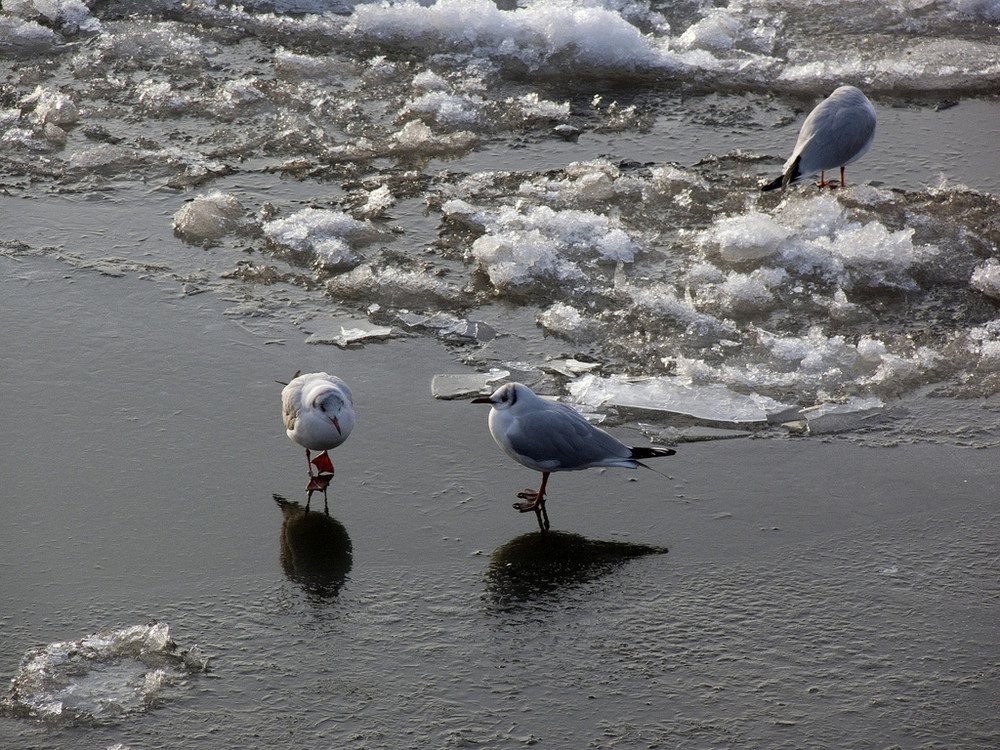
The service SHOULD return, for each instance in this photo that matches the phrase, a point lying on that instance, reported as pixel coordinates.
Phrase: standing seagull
(837, 132)
(319, 415)
(547, 436)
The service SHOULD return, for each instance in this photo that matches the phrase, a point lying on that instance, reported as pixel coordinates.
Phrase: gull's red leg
(318, 482)
(536, 502)
(323, 463)
(842, 177)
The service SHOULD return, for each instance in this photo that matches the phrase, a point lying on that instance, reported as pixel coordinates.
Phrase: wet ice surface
(439, 197)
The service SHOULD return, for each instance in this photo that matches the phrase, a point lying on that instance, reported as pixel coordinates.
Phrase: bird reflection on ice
(315, 549)
(535, 565)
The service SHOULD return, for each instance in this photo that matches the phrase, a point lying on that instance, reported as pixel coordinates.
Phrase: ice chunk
(986, 278)
(674, 395)
(984, 343)
(571, 367)
(524, 246)
(307, 230)
(717, 30)
(418, 137)
(533, 106)
(448, 327)
(50, 107)
(819, 236)
(841, 417)
(208, 217)
(445, 108)
(379, 200)
(100, 677)
(393, 286)
(538, 35)
(240, 93)
(750, 236)
(521, 258)
(69, 16)
(25, 37)
(566, 321)
(466, 386)
(334, 331)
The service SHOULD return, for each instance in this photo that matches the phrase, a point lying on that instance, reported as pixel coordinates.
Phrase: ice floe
(207, 217)
(102, 677)
(346, 332)
(713, 402)
(451, 386)
(329, 237)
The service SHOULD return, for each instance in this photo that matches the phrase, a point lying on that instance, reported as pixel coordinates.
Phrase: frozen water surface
(563, 193)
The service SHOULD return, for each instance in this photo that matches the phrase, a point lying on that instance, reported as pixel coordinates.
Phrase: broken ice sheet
(447, 326)
(466, 386)
(570, 367)
(674, 395)
(850, 415)
(344, 332)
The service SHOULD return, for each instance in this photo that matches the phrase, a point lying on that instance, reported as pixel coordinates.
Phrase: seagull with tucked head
(837, 132)
(318, 411)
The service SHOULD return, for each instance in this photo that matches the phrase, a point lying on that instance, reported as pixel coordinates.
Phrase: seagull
(837, 132)
(319, 415)
(547, 436)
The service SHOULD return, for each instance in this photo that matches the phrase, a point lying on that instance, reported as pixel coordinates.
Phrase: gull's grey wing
(557, 437)
(834, 134)
(291, 397)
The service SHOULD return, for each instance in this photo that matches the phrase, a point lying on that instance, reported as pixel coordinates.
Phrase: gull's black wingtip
(650, 452)
(773, 184)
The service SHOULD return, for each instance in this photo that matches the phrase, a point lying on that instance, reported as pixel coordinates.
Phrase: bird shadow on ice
(539, 565)
(315, 549)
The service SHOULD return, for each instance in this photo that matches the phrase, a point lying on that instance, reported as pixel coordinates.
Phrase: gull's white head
(507, 396)
(331, 406)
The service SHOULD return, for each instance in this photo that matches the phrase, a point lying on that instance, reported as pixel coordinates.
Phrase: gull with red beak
(319, 415)
(548, 436)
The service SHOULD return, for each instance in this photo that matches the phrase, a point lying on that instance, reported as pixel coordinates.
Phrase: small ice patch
(565, 320)
(447, 386)
(748, 237)
(50, 107)
(986, 278)
(842, 417)
(208, 217)
(983, 342)
(417, 137)
(25, 37)
(69, 16)
(379, 200)
(445, 108)
(717, 30)
(102, 677)
(329, 235)
(525, 246)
